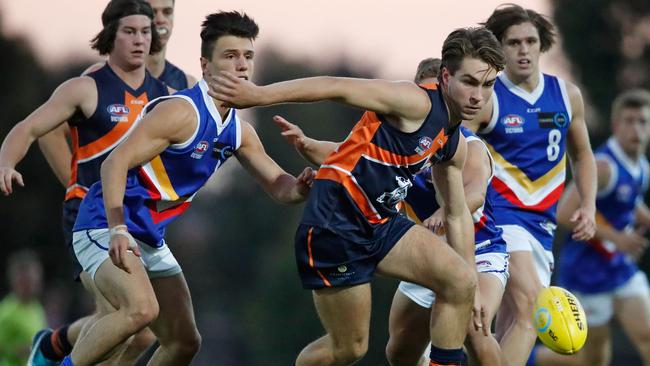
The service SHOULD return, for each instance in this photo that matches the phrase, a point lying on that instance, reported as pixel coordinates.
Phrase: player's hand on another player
(7, 177)
(479, 318)
(234, 91)
(436, 222)
(292, 133)
(121, 243)
(305, 180)
(631, 244)
(584, 220)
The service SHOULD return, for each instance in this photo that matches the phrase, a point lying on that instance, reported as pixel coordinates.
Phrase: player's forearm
(584, 166)
(475, 199)
(316, 151)
(285, 189)
(460, 234)
(57, 154)
(15, 145)
(642, 215)
(113, 178)
(302, 90)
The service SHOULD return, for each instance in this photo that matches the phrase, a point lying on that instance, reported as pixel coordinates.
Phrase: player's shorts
(518, 238)
(70, 210)
(91, 247)
(495, 264)
(599, 307)
(329, 259)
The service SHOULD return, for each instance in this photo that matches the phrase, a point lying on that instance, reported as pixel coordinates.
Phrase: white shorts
(91, 249)
(599, 307)
(519, 239)
(495, 264)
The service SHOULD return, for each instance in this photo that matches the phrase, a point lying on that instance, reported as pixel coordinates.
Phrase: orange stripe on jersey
(76, 192)
(355, 192)
(430, 86)
(135, 106)
(349, 152)
(602, 220)
(311, 259)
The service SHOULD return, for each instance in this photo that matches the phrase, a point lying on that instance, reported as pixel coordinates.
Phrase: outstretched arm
(280, 185)
(400, 99)
(72, 94)
(584, 168)
(171, 121)
(315, 151)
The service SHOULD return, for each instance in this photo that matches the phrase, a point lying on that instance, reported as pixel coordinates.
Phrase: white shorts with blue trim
(495, 264)
(518, 238)
(91, 249)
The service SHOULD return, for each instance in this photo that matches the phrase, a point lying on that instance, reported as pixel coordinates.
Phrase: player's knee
(141, 313)
(188, 345)
(397, 355)
(461, 285)
(351, 351)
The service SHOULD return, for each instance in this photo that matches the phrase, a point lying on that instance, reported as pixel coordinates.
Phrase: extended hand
(585, 224)
(435, 222)
(305, 180)
(121, 242)
(291, 132)
(234, 91)
(7, 177)
(478, 315)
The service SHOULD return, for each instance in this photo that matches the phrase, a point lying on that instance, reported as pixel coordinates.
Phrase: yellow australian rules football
(560, 320)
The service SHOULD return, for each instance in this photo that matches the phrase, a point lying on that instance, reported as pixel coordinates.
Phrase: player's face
(521, 46)
(132, 40)
(233, 54)
(469, 88)
(163, 18)
(632, 128)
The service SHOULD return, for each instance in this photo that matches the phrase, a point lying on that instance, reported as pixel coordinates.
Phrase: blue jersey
(173, 76)
(160, 190)
(597, 266)
(362, 184)
(527, 137)
(93, 138)
(421, 203)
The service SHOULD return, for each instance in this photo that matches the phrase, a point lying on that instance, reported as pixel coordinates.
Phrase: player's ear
(204, 64)
(445, 75)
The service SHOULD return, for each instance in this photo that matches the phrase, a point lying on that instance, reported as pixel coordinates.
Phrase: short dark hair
(635, 98)
(427, 68)
(225, 23)
(508, 15)
(116, 10)
(477, 43)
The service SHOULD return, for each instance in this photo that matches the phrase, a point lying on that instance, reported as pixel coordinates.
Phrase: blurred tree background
(236, 244)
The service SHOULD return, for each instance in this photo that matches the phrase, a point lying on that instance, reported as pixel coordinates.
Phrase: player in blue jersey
(603, 271)
(351, 226)
(147, 182)
(102, 108)
(532, 120)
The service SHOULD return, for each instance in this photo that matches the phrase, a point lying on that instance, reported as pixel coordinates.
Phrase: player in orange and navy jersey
(101, 108)
(351, 227)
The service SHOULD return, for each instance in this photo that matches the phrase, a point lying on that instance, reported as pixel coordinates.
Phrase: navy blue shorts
(329, 259)
(70, 210)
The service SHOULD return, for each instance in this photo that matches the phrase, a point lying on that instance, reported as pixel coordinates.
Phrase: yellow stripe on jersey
(411, 214)
(602, 220)
(521, 177)
(163, 178)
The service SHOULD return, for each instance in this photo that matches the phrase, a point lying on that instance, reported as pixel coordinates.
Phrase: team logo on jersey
(398, 194)
(200, 149)
(548, 226)
(513, 123)
(221, 151)
(423, 145)
(624, 193)
(118, 112)
(552, 120)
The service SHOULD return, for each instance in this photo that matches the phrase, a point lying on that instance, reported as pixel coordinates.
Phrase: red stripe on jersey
(508, 194)
(148, 184)
(169, 213)
(480, 224)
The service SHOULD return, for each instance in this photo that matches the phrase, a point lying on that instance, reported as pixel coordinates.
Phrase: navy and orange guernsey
(421, 203)
(160, 190)
(173, 76)
(527, 137)
(598, 266)
(361, 185)
(93, 138)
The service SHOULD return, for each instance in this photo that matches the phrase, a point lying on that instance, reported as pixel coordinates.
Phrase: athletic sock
(55, 345)
(440, 357)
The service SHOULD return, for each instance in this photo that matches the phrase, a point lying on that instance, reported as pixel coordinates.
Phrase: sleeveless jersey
(421, 203)
(93, 138)
(363, 182)
(173, 76)
(597, 266)
(160, 190)
(527, 139)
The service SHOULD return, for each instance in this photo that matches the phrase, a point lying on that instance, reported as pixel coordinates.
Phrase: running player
(147, 182)
(351, 226)
(101, 109)
(602, 272)
(529, 124)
